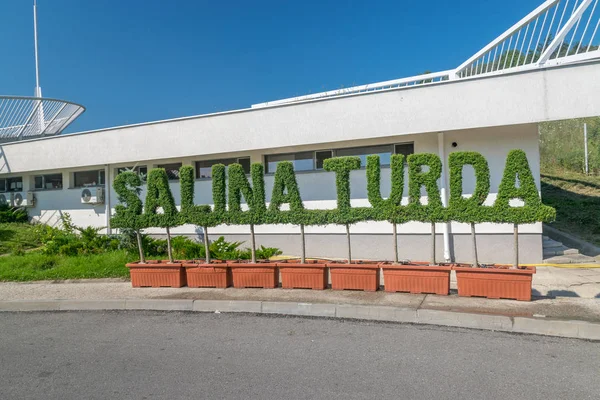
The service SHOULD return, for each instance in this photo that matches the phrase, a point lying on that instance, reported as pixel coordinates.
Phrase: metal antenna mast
(38, 89)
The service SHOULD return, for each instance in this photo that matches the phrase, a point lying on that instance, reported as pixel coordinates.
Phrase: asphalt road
(157, 355)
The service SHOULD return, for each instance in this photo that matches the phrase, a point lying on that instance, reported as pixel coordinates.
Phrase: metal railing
(31, 117)
(393, 84)
(553, 33)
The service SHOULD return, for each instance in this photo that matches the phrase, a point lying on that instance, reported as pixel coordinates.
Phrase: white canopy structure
(556, 33)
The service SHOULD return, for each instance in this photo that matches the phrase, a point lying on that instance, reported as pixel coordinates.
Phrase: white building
(490, 104)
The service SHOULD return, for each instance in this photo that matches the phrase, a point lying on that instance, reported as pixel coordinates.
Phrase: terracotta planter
(499, 282)
(359, 276)
(157, 274)
(416, 278)
(213, 275)
(259, 275)
(295, 275)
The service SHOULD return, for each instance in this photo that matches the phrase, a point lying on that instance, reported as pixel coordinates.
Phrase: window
(384, 152)
(88, 178)
(11, 184)
(141, 171)
(51, 181)
(204, 168)
(405, 148)
(172, 170)
(321, 156)
(302, 161)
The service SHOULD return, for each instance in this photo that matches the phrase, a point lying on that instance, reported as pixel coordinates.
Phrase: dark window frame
(44, 178)
(170, 172)
(100, 183)
(225, 161)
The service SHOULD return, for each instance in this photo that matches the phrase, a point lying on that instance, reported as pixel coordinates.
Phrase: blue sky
(131, 61)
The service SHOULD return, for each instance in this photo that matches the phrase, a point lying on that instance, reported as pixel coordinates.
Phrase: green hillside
(565, 186)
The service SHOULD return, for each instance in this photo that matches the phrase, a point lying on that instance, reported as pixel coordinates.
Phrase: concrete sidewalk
(575, 317)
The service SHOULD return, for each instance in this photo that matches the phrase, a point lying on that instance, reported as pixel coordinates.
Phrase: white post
(444, 193)
(107, 202)
(38, 90)
(585, 148)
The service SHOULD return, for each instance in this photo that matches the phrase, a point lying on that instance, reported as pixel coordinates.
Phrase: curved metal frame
(23, 117)
(557, 32)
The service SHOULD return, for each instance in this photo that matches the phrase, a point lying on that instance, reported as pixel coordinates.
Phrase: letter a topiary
(285, 191)
(159, 195)
(517, 169)
(128, 214)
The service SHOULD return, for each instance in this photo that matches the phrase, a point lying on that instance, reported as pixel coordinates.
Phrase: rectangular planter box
(354, 276)
(417, 278)
(295, 275)
(213, 275)
(259, 275)
(495, 283)
(157, 274)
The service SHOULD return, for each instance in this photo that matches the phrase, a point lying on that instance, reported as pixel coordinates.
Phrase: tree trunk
(253, 242)
(433, 243)
(206, 245)
(140, 247)
(303, 255)
(516, 246)
(169, 249)
(349, 247)
(396, 260)
(473, 236)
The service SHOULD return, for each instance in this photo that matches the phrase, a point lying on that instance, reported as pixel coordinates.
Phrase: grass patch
(15, 237)
(36, 266)
(576, 198)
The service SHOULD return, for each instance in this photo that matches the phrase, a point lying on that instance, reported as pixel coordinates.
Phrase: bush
(12, 214)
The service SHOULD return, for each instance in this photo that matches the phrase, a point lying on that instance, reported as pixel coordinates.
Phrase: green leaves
(470, 210)
(517, 168)
(231, 186)
(433, 211)
(128, 214)
(159, 195)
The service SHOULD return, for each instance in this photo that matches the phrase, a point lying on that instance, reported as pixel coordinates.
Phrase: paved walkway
(571, 295)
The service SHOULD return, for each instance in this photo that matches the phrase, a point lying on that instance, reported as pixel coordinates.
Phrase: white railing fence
(30, 117)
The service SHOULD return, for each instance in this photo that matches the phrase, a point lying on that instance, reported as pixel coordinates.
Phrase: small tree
(518, 183)
(389, 208)
(434, 211)
(470, 210)
(344, 214)
(128, 214)
(200, 215)
(253, 194)
(159, 195)
(285, 191)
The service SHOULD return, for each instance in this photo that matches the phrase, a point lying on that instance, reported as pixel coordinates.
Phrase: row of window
(302, 161)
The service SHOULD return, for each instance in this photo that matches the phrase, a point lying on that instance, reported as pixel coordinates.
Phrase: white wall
(318, 188)
(503, 100)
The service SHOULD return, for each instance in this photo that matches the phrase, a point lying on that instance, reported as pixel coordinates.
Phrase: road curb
(529, 325)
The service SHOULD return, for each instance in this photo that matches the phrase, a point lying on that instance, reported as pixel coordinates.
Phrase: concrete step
(553, 248)
(570, 259)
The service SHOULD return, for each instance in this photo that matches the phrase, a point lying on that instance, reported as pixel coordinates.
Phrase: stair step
(570, 259)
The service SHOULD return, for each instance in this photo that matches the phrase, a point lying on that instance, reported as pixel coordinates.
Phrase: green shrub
(12, 214)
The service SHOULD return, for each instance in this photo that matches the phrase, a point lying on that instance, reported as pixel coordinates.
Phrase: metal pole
(35, 42)
(444, 194)
(516, 245)
(585, 145)
(108, 206)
